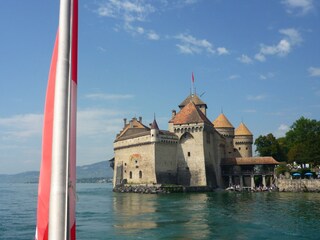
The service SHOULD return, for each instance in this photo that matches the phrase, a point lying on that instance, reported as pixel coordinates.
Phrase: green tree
(303, 141)
(269, 146)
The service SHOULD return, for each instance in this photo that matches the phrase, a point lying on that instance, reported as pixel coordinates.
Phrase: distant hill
(99, 170)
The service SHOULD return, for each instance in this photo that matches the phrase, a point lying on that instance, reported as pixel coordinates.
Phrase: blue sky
(258, 61)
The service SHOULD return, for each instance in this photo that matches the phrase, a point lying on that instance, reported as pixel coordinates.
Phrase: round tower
(225, 128)
(243, 141)
(154, 131)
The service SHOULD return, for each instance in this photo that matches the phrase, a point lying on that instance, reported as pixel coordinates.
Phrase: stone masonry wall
(298, 185)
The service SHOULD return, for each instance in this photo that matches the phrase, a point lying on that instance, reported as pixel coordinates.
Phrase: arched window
(130, 175)
(140, 174)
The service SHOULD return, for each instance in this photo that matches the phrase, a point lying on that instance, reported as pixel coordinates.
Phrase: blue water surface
(102, 214)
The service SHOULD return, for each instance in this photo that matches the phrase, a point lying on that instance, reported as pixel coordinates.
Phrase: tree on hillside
(269, 146)
(303, 141)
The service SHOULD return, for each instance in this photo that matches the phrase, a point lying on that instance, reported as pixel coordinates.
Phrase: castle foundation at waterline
(194, 153)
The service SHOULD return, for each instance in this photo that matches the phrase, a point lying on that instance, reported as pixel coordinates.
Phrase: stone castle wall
(166, 164)
(190, 159)
(298, 185)
(137, 163)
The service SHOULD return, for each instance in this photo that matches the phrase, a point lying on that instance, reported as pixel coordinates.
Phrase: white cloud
(260, 57)
(140, 30)
(266, 76)
(245, 59)
(234, 76)
(190, 45)
(128, 10)
(191, 1)
(101, 49)
(97, 122)
(263, 77)
(153, 36)
(102, 96)
(21, 127)
(256, 98)
(293, 35)
(281, 131)
(222, 51)
(314, 71)
(299, 7)
(291, 38)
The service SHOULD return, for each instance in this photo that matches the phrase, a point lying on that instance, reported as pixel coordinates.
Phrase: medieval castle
(193, 151)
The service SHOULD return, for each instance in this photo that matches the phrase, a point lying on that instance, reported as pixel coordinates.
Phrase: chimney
(140, 119)
(174, 112)
(124, 122)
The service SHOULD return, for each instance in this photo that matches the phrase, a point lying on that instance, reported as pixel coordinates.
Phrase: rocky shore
(158, 188)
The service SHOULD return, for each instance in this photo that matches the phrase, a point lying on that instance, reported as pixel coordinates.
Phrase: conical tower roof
(193, 98)
(243, 130)
(222, 122)
(154, 125)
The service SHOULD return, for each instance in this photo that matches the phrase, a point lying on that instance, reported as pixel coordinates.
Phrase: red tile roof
(190, 114)
(250, 161)
(222, 122)
(192, 98)
(242, 130)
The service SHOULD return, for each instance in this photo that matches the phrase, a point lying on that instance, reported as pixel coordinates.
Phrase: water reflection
(181, 216)
(219, 215)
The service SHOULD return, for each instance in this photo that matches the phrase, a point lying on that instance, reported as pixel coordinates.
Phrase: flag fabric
(44, 187)
(45, 169)
(192, 78)
(74, 81)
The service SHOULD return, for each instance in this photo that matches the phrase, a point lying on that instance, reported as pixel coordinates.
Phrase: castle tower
(197, 101)
(243, 141)
(225, 128)
(154, 131)
(197, 162)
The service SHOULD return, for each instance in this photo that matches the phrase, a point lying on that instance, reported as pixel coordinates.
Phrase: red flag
(47, 140)
(192, 78)
(45, 169)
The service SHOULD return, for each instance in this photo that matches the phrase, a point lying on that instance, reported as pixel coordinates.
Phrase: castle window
(125, 164)
(130, 175)
(239, 148)
(137, 166)
(189, 154)
(136, 161)
(140, 174)
(246, 148)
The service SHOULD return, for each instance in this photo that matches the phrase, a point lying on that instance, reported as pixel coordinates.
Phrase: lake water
(102, 214)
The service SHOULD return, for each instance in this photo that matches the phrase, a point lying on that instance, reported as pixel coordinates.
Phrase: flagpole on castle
(58, 209)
